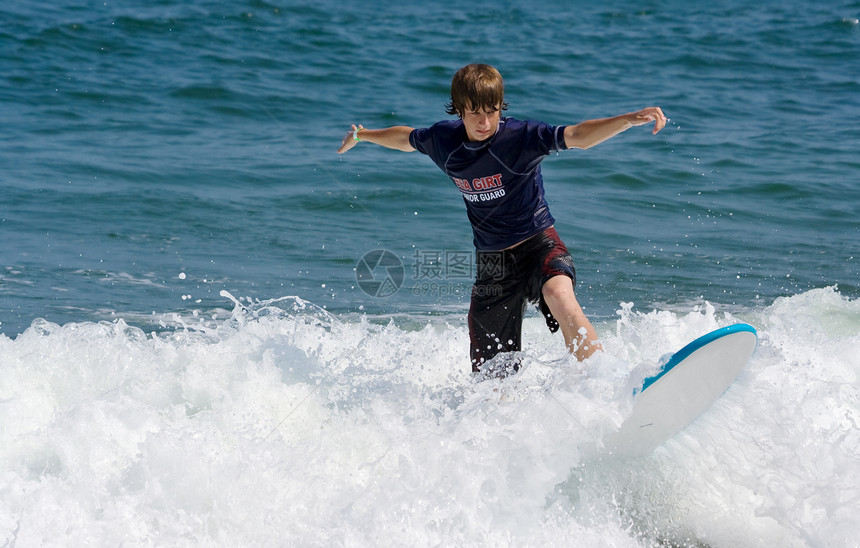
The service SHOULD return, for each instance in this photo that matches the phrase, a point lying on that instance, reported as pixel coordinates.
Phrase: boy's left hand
(649, 114)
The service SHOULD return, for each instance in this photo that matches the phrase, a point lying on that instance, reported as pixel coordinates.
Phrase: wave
(282, 423)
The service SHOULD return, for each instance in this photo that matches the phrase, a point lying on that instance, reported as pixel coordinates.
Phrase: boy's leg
(495, 322)
(579, 334)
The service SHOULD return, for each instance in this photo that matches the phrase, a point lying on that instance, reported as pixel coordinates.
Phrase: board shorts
(505, 282)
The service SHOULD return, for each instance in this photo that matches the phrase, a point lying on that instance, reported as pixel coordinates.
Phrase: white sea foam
(285, 425)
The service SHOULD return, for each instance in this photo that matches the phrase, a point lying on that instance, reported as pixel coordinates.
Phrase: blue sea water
(190, 350)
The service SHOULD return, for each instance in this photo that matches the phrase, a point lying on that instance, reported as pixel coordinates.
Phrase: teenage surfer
(495, 163)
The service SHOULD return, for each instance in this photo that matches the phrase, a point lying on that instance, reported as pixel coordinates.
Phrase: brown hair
(476, 86)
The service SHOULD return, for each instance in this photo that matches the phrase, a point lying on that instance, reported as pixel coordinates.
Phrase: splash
(284, 424)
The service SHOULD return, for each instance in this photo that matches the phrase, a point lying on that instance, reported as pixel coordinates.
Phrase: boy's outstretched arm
(396, 137)
(593, 132)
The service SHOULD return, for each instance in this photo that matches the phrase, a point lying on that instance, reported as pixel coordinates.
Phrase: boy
(495, 163)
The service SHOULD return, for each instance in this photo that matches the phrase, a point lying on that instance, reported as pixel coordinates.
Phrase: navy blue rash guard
(500, 178)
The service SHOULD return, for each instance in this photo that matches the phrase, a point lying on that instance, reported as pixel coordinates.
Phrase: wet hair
(476, 87)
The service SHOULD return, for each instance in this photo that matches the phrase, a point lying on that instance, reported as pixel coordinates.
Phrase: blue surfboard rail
(682, 354)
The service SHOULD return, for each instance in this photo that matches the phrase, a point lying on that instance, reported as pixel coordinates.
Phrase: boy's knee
(558, 288)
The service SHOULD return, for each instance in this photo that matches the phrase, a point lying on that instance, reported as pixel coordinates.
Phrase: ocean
(215, 330)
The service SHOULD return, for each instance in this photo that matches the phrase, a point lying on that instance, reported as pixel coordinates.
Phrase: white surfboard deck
(684, 388)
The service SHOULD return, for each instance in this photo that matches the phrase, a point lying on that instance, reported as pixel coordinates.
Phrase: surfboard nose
(688, 383)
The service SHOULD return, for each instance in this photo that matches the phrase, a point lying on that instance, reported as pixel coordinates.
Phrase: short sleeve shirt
(499, 178)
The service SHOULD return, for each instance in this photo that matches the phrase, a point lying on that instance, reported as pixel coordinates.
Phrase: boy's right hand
(349, 140)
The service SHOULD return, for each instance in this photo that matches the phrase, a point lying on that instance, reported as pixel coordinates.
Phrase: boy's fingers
(349, 138)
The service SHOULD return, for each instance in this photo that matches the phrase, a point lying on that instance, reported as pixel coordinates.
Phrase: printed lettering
(487, 196)
(462, 184)
(486, 183)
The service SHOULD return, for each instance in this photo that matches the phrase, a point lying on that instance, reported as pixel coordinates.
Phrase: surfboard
(684, 388)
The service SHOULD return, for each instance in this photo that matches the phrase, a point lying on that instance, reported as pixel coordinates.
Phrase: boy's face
(481, 123)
